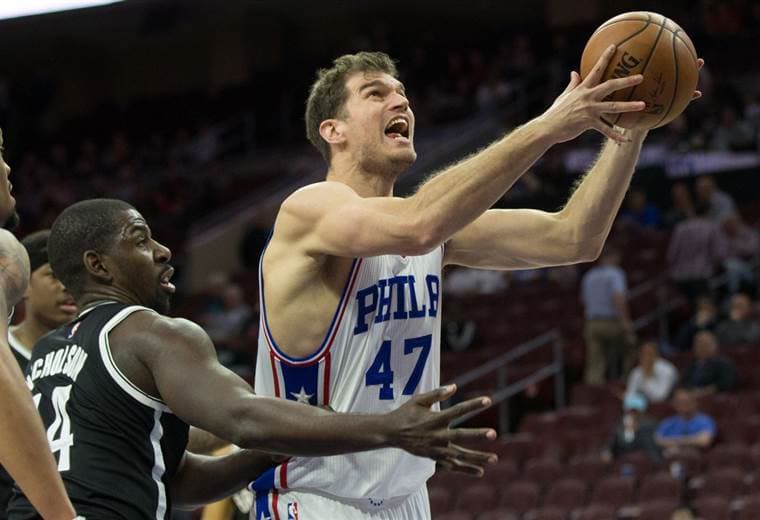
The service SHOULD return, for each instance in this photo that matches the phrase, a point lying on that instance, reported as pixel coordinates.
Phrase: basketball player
(24, 451)
(351, 278)
(117, 386)
(47, 305)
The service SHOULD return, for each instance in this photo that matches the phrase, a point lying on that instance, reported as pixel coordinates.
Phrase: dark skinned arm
(202, 479)
(177, 351)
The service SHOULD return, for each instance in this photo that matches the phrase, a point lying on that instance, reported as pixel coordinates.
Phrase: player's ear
(333, 131)
(93, 262)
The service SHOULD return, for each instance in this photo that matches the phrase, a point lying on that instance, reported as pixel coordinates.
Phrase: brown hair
(328, 93)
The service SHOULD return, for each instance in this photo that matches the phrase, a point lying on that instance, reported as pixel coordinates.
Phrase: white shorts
(296, 505)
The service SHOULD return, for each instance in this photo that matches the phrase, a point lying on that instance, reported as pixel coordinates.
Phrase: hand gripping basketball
(426, 433)
(581, 106)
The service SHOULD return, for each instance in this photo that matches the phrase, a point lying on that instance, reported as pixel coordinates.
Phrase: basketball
(656, 47)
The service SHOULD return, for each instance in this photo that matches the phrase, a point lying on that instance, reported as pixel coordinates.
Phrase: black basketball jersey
(117, 447)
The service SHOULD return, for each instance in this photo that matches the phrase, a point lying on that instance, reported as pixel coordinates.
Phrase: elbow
(584, 250)
(422, 235)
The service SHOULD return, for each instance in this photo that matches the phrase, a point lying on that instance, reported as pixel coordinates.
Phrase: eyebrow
(380, 83)
(138, 227)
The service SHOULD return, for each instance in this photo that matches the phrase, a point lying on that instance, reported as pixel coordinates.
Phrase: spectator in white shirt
(654, 377)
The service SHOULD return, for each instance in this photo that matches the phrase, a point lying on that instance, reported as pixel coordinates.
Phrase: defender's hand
(581, 106)
(426, 433)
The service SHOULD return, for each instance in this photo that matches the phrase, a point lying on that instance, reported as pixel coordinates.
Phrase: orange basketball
(656, 47)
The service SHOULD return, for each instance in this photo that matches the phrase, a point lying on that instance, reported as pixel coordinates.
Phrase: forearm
(281, 426)
(592, 208)
(203, 479)
(24, 450)
(203, 442)
(458, 195)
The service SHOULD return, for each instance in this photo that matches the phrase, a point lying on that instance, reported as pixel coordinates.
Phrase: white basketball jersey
(382, 347)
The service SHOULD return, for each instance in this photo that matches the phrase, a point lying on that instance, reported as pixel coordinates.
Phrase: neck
(112, 294)
(366, 183)
(29, 331)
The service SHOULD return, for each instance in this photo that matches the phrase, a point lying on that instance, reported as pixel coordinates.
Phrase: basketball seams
(648, 19)
(646, 62)
(675, 84)
(686, 44)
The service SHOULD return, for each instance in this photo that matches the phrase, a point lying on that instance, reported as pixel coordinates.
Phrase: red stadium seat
(589, 468)
(518, 447)
(657, 510)
(542, 471)
(477, 498)
(502, 473)
(616, 491)
(498, 514)
(691, 461)
(726, 482)
(545, 513)
(659, 486)
(730, 455)
(749, 509)
(520, 496)
(456, 515)
(440, 500)
(640, 461)
(567, 493)
(597, 512)
(714, 507)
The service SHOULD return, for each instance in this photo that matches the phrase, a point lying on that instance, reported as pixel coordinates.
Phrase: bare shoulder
(311, 201)
(14, 267)
(161, 333)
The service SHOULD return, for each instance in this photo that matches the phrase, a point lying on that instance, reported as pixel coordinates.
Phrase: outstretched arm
(177, 351)
(24, 450)
(524, 238)
(330, 218)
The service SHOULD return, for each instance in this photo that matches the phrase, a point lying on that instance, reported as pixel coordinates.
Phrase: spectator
(741, 246)
(462, 282)
(640, 212)
(228, 322)
(608, 330)
(732, 134)
(688, 428)
(635, 431)
(695, 249)
(705, 318)
(708, 373)
(459, 331)
(654, 377)
(719, 203)
(739, 328)
(681, 205)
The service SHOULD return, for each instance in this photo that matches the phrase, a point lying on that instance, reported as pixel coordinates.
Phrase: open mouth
(398, 129)
(164, 282)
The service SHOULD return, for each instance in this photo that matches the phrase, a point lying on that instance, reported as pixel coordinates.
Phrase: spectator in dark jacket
(635, 431)
(739, 328)
(708, 373)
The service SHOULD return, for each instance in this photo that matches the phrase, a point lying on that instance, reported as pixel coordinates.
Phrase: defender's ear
(96, 267)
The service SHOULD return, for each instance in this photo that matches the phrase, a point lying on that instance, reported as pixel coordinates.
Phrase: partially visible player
(47, 305)
(24, 451)
(351, 278)
(118, 386)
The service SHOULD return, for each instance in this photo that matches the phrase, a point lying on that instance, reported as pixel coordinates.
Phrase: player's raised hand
(582, 106)
(424, 432)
